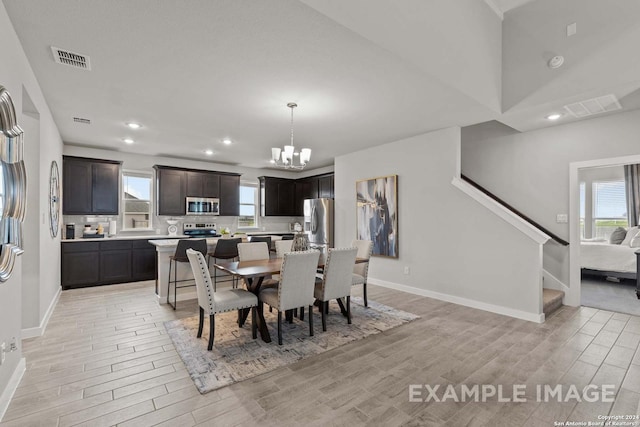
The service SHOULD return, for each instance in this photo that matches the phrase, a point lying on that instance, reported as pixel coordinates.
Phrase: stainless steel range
(199, 229)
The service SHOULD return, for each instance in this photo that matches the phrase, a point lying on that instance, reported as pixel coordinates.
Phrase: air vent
(81, 120)
(72, 59)
(603, 104)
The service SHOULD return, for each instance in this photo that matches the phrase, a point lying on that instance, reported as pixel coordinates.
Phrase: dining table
(254, 272)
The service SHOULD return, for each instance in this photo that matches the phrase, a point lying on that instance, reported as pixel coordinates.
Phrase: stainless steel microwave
(203, 206)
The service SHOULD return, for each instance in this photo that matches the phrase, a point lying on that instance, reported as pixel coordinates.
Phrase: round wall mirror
(13, 187)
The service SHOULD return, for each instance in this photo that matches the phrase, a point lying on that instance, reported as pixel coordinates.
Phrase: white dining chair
(282, 247)
(336, 281)
(297, 279)
(211, 302)
(253, 251)
(361, 270)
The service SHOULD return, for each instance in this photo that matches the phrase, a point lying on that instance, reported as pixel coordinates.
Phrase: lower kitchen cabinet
(80, 264)
(144, 261)
(104, 263)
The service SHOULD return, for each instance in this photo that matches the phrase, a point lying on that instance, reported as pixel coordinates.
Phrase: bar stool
(180, 255)
(225, 249)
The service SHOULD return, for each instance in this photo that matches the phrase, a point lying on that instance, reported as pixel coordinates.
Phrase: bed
(604, 259)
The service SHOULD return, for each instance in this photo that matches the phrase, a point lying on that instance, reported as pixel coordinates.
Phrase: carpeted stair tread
(552, 300)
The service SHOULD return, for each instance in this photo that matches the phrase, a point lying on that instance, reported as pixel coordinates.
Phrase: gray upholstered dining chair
(336, 281)
(180, 256)
(297, 278)
(361, 270)
(225, 249)
(211, 302)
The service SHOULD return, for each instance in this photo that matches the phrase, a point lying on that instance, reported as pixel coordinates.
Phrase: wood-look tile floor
(106, 360)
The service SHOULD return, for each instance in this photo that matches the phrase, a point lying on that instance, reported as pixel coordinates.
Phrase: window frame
(256, 205)
(138, 174)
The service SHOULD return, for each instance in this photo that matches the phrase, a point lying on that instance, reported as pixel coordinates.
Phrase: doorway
(602, 271)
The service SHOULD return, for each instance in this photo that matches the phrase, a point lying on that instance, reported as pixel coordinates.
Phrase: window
(137, 200)
(609, 207)
(248, 205)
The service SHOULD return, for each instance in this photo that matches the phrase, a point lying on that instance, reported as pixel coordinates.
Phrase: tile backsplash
(159, 224)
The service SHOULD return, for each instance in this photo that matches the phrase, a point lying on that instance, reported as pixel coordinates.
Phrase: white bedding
(606, 257)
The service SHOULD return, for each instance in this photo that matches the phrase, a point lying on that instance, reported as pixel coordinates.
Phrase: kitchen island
(165, 248)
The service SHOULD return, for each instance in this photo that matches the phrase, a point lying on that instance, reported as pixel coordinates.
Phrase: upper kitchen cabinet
(229, 195)
(90, 186)
(172, 190)
(175, 185)
(277, 196)
(203, 184)
(312, 187)
(325, 186)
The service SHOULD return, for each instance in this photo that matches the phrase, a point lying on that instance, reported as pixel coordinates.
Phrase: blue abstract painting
(377, 214)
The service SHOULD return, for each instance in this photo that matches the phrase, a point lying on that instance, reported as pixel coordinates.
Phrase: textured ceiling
(362, 72)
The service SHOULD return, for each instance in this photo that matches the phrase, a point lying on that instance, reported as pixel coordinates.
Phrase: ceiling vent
(72, 59)
(603, 104)
(81, 120)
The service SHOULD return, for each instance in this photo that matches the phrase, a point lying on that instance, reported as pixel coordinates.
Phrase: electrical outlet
(3, 352)
(562, 218)
(407, 270)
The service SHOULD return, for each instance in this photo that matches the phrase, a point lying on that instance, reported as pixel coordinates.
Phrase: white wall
(530, 170)
(456, 249)
(16, 75)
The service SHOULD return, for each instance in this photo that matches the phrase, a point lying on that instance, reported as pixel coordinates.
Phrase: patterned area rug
(237, 357)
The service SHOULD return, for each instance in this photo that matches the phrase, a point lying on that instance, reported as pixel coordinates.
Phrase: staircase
(552, 300)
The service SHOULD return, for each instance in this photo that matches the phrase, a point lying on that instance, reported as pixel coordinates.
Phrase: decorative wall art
(54, 199)
(377, 214)
(13, 185)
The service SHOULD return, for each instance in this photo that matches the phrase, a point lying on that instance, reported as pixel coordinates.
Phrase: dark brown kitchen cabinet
(80, 264)
(172, 191)
(90, 186)
(203, 184)
(109, 262)
(277, 196)
(325, 186)
(312, 188)
(144, 261)
(115, 261)
(230, 195)
(175, 184)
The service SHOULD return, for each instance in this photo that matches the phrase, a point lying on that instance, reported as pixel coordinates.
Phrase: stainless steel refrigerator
(318, 222)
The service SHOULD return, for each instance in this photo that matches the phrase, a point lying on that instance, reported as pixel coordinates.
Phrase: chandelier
(284, 158)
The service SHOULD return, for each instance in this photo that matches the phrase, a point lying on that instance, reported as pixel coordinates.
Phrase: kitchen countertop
(126, 237)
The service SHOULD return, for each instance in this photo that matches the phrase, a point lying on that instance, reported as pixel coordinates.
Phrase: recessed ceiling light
(554, 116)
(128, 140)
(208, 152)
(226, 141)
(133, 125)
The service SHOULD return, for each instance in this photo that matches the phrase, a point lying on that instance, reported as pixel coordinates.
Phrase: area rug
(237, 357)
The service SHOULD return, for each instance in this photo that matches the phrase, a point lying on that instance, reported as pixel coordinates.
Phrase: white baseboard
(14, 381)
(518, 314)
(38, 331)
